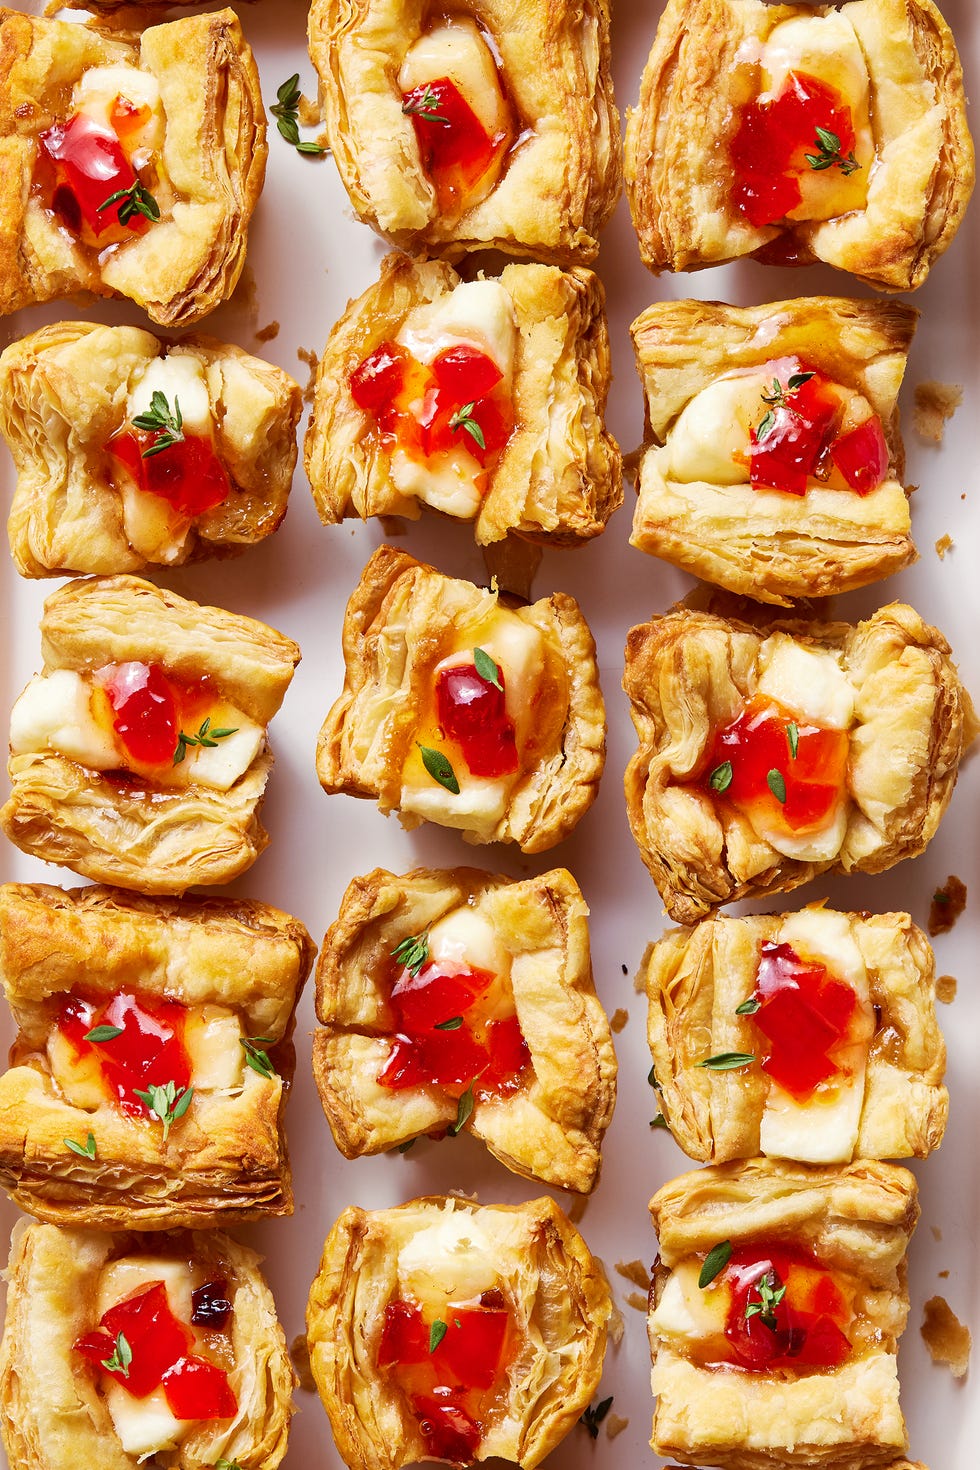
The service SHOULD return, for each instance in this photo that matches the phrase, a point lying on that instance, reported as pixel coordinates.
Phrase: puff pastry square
(905, 723)
(877, 1095)
(547, 1121)
(556, 480)
(884, 214)
(237, 966)
(145, 834)
(206, 176)
(406, 623)
(55, 1407)
(696, 505)
(525, 1260)
(855, 1225)
(65, 391)
(562, 172)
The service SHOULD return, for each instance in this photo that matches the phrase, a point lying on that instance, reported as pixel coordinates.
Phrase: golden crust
(771, 546)
(556, 1291)
(552, 1129)
(688, 672)
(64, 392)
(558, 479)
(212, 160)
(153, 841)
(401, 620)
(51, 1413)
(696, 979)
(856, 1220)
(562, 180)
(678, 170)
(226, 1160)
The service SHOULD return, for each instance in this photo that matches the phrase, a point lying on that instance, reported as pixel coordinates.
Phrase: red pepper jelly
(443, 1037)
(784, 1310)
(89, 166)
(472, 710)
(187, 473)
(806, 1013)
(778, 136)
(780, 770)
(456, 151)
(150, 709)
(798, 438)
(147, 1047)
(448, 1375)
(194, 1387)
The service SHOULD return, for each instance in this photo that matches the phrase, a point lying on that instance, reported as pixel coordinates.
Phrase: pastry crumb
(934, 404)
(943, 1275)
(946, 989)
(471, 1195)
(634, 1271)
(299, 1352)
(307, 355)
(937, 1234)
(615, 1424)
(308, 112)
(267, 333)
(947, 1338)
(618, 1019)
(944, 544)
(948, 902)
(638, 1301)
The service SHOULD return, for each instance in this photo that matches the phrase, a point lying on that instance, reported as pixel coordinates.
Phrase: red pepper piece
(187, 474)
(90, 166)
(404, 1335)
(757, 742)
(448, 1431)
(197, 1389)
(861, 456)
(379, 378)
(465, 373)
(805, 1012)
(155, 1337)
(471, 1349)
(455, 148)
(805, 1332)
(772, 140)
(149, 1049)
(795, 446)
(473, 712)
(146, 712)
(509, 1057)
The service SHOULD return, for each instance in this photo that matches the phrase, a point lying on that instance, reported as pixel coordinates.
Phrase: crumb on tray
(934, 404)
(947, 1338)
(948, 902)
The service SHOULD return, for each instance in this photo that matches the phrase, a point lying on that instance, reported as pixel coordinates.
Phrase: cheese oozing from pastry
(688, 1316)
(452, 1259)
(145, 1425)
(824, 1128)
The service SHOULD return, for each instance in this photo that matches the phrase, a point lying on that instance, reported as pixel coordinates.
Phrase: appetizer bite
(779, 1297)
(443, 1330)
(459, 1000)
(809, 1036)
(462, 710)
(480, 399)
(773, 449)
(797, 133)
(138, 755)
(132, 163)
(771, 753)
(132, 451)
(118, 1349)
(152, 1061)
(484, 126)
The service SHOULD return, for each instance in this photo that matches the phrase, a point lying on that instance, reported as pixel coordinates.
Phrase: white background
(307, 255)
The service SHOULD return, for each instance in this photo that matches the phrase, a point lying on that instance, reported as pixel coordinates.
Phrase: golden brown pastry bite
(452, 1331)
(773, 450)
(132, 451)
(462, 710)
(152, 1061)
(801, 132)
(808, 1036)
(779, 1297)
(769, 753)
(481, 126)
(454, 1000)
(118, 1349)
(482, 399)
(130, 164)
(138, 755)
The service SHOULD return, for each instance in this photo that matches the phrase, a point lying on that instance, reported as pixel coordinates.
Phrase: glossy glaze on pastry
(732, 85)
(809, 1036)
(96, 493)
(516, 1282)
(521, 151)
(461, 710)
(175, 122)
(774, 459)
(139, 754)
(787, 1354)
(457, 1000)
(199, 993)
(60, 1409)
(778, 751)
(531, 456)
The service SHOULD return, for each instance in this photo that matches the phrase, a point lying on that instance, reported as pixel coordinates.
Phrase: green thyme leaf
(453, 1024)
(721, 777)
(771, 1292)
(412, 952)
(464, 1109)
(766, 426)
(830, 154)
(776, 782)
(85, 1150)
(284, 111)
(592, 1418)
(313, 150)
(121, 1358)
(715, 1262)
(748, 1007)
(727, 1061)
(487, 668)
(463, 419)
(403, 1148)
(659, 1122)
(439, 768)
(437, 1332)
(205, 737)
(796, 380)
(166, 1103)
(652, 1079)
(426, 106)
(103, 1033)
(224, 1464)
(256, 1058)
(164, 423)
(135, 200)
(793, 738)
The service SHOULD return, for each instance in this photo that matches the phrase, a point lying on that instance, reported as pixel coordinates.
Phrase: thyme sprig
(771, 1292)
(412, 952)
(206, 736)
(830, 154)
(463, 419)
(425, 107)
(166, 1103)
(779, 397)
(285, 113)
(165, 423)
(137, 199)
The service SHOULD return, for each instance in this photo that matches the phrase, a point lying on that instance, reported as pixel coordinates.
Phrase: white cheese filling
(96, 92)
(457, 50)
(451, 1259)
(688, 1315)
(145, 1425)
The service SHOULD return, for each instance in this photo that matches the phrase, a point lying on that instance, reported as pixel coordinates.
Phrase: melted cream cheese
(453, 1259)
(687, 1315)
(456, 49)
(179, 377)
(97, 89)
(145, 1425)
